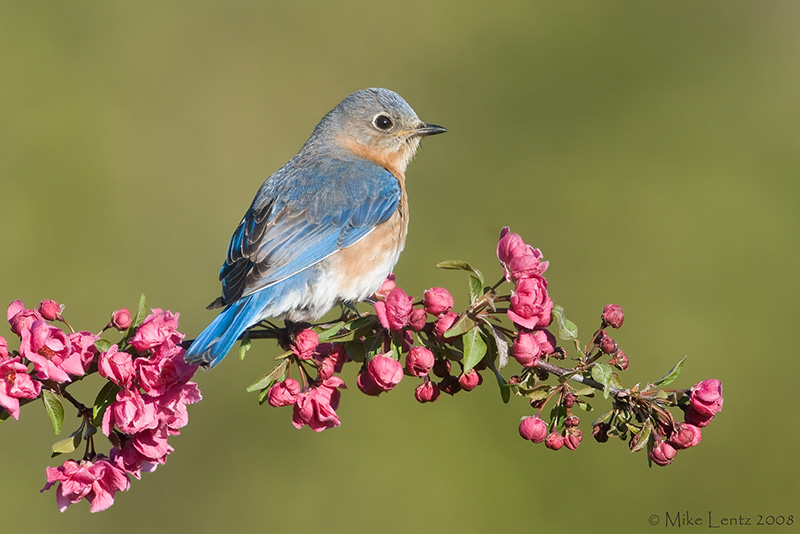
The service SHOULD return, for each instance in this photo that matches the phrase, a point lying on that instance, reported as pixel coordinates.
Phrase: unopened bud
(121, 319)
(427, 392)
(450, 385)
(572, 438)
(50, 310)
(600, 432)
(554, 441)
(613, 316)
(533, 428)
(572, 420)
(569, 400)
(620, 360)
(471, 380)
(441, 368)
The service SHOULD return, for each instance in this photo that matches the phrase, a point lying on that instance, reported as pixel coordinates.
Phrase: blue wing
(303, 213)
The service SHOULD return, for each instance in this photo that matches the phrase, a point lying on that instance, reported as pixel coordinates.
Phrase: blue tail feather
(217, 339)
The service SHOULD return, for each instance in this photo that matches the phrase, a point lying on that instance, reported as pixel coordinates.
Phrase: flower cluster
(142, 403)
(426, 339)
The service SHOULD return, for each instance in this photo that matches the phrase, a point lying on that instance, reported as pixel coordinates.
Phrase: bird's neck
(394, 162)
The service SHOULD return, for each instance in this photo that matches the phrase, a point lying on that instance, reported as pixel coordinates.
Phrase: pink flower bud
(417, 320)
(419, 361)
(613, 316)
(305, 343)
(386, 287)
(398, 308)
(50, 310)
(519, 259)
(121, 319)
(284, 393)
(620, 360)
(385, 372)
(526, 350)
(443, 324)
(471, 380)
(571, 421)
(685, 435)
(663, 454)
(569, 400)
(427, 392)
(607, 345)
(533, 428)
(366, 385)
(572, 438)
(706, 397)
(696, 418)
(554, 441)
(437, 301)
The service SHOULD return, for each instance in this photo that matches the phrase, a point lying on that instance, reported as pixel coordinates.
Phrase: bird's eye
(382, 122)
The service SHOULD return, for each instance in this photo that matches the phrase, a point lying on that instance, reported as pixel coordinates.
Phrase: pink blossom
(3, 348)
(418, 319)
(97, 482)
(131, 461)
(20, 318)
(131, 413)
(121, 319)
(385, 372)
(685, 435)
(444, 323)
(83, 347)
(470, 380)
(547, 341)
(663, 453)
(305, 343)
(117, 366)
(531, 306)
(437, 301)
(706, 397)
(15, 384)
(427, 392)
(50, 310)
(165, 369)
(171, 409)
(151, 444)
(386, 287)
(284, 393)
(159, 328)
(533, 428)
(419, 361)
(395, 312)
(316, 407)
(50, 351)
(612, 315)
(526, 350)
(519, 259)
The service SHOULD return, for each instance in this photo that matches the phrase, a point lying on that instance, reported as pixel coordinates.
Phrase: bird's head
(377, 124)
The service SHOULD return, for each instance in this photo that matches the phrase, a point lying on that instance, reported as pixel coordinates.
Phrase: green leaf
(585, 406)
(104, 398)
(54, 409)
(67, 445)
(505, 389)
(642, 437)
(353, 330)
(244, 345)
(330, 331)
(459, 265)
(355, 351)
(462, 326)
(672, 375)
(501, 343)
(474, 348)
(584, 391)
(602, 373)
(141, 313)
(567, 330)
(475, 288)
(278, 373)
(102, 345)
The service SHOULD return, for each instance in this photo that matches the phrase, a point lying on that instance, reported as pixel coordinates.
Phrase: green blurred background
(650, 149)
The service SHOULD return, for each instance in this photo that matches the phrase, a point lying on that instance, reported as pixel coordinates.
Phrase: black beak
(428, 129)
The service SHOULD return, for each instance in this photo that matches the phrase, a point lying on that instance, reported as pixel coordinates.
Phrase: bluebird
(326, 228)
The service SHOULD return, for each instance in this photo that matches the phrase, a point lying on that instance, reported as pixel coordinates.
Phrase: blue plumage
(291, 256)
